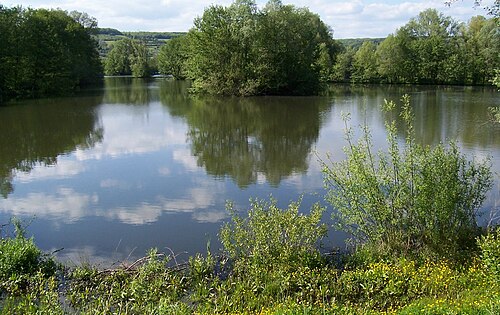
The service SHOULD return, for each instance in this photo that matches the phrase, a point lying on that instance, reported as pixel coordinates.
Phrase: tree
(290, 43)
(238, 50)
(481, 48)
(342, 69)
(128, 56)
(389, 60)
(173, 56)
(45, 52)
(365, 64)
(431, 36)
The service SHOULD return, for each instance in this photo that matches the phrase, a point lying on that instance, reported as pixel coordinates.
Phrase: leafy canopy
(240, 50)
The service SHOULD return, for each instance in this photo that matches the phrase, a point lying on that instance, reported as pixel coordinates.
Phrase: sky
(348, 19)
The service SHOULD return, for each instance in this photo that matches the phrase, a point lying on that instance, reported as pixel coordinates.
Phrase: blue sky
(356, 18)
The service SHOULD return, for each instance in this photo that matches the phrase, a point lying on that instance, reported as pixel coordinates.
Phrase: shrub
(411, 200)
(273, 255)
(490, 252)
(20, 258)
(270, 236)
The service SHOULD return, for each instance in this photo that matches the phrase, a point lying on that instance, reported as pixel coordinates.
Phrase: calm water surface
(141, 164)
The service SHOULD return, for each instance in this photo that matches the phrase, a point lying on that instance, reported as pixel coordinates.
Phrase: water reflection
(128, 90)
(146, 164)
(39, 133)
(244, 137)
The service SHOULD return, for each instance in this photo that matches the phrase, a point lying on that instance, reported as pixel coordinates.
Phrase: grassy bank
(269, 265)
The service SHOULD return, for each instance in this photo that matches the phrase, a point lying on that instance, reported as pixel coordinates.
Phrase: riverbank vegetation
(416, 249)
(430, 49)
(241, 50)
(46, 52)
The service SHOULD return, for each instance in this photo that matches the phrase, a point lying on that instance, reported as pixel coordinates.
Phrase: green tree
(431, 36)
(482, 47)
(173, 56)
(290, 42)
(390, 58)
(128, 57)
(342, 69)
(365, 64)
(45, 52)
(238, 50)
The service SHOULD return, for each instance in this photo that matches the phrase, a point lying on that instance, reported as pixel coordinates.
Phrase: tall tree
(365, 64)
(342, 69)
(128, 57)
(431, 34)
(239, 50)
(172, 57)
(45, 52)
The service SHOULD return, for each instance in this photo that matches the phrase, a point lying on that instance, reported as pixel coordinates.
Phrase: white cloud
(184, 157)
(114, 183)
(124, 135)
(141, 214)
(62, 169)
(65, 204)
(164, 171)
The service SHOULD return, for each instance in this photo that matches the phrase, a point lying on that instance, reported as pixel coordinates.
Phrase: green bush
(20, 258)
(151, 288)
(270, 236)
(412, 200)
(490, 252)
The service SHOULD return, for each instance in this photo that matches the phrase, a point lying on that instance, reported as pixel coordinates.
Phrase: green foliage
(272, 256)
(28, 284)
(46, 52)
(496, 79)
(342, 69)
(365, 64)
(152, 288)
(173, 56)
(128, 56)
(20, 258)
(239, 50)
(489, 245)
(411, 200)
(272, 267)
(430, 49)
(270, 236)
(355, 43)
(495, 114)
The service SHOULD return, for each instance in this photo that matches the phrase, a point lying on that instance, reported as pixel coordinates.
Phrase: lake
(114, 171)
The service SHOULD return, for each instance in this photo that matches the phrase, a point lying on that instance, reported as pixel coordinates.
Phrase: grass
(237, 282)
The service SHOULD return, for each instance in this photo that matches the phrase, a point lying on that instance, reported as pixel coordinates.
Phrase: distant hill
(357, 42)
(153, 40)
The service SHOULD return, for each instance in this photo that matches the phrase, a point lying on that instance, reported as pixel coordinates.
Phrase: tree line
(430, 49)
(46, 52)
(243, 50)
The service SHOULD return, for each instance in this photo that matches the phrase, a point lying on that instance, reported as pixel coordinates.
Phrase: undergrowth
(251, 276)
